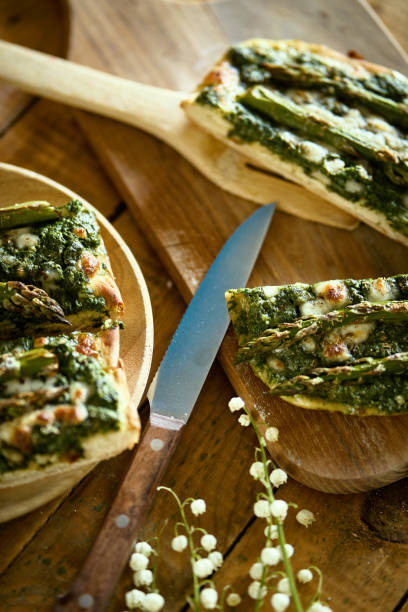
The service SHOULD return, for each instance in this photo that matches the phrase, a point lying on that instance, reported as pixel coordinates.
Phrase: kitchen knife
(172, 396)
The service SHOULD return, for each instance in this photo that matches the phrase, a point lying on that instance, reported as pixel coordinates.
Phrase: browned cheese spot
(22, 438)
(86, 345)
(80, 232)
(334, 294)
(72, 415)
(89, 264)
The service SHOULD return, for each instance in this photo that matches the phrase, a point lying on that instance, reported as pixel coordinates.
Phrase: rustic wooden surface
(343, 454)
(359, 541)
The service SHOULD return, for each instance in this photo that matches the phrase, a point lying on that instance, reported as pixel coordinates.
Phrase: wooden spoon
(158, 112)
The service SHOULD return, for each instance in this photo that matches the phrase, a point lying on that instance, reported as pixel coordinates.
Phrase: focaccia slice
(61, 251)
(64, 406)
(335, 345)
(336, 125)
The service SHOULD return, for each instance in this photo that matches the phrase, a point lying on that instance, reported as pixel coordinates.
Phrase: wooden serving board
(187, 219)
(136, 343)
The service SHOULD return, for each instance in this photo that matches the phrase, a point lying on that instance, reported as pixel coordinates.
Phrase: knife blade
(172, 396)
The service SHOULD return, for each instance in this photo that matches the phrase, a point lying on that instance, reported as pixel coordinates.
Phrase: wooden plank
(217, 509)
(47, 140)
(188, 237)
(163, 180)
(394, 15)
(338, 543)
(39, 25)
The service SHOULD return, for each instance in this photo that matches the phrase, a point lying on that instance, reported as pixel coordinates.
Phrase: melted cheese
(28, 384)
(309, 344)
(338, 352)
(354, 333)
(315, 307)
(79, 392)
(289, 137)
(27, 240)
(276, 364)
(363, 172)
(49, 276)
(313, 152)
(23, 238)
(334, 166)
(353, 186)
(382, 291)
(270, 290)
(334, 293)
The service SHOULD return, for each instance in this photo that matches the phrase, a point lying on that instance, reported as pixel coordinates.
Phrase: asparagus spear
(27, 213)
(30, 301)
(287, 334)
(20, 403)
(308, 78)
(35, 362)
(286, 112)
(360, 372)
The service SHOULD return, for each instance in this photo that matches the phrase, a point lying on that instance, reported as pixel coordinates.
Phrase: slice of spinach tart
(339, 345)
(336, 125)
(64, 405)
(64, 400)
(61, 251)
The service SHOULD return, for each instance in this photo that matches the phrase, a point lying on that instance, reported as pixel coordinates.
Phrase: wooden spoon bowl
(20, 185)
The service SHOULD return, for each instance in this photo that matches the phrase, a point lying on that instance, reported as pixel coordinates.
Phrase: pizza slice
(61, 251)
(64, 405)
(336, 345)
(336, 125)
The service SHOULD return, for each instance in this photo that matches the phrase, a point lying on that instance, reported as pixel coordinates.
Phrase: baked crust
(22, 491)
(212, 120)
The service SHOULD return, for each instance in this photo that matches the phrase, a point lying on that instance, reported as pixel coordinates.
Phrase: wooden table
(360, 542)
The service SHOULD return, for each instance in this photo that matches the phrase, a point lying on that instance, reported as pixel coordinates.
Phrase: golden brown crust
(104, 285)
(320, 404)
(109, 340)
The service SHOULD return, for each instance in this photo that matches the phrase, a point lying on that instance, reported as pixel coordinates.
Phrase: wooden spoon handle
(143, 106)
(101, 571)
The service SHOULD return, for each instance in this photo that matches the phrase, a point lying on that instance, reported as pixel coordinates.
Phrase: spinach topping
(351, 175)
(53, 263)
(61, 436)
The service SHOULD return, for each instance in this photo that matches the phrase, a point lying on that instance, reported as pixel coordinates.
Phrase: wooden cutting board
(187, 219)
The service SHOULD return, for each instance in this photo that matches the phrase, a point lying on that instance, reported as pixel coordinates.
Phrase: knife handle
(101, 571)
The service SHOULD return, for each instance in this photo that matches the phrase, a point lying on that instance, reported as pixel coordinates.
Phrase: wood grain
(331, 452)
(338, 543)
(158, 112)
(39, 25)
(48, 137)
(213, 458)
(342, 455)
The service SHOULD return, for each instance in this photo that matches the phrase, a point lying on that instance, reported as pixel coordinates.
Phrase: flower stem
(281, 535)
(189, 532)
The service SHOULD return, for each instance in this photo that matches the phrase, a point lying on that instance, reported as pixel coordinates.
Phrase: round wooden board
(136, 341)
